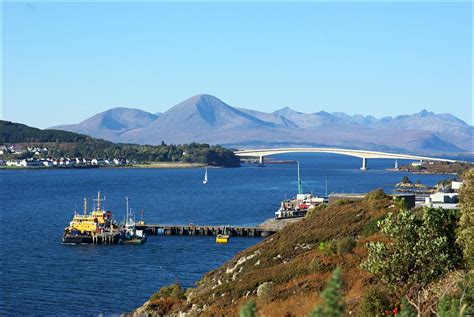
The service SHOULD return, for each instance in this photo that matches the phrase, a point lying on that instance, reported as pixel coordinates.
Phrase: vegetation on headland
(362, 258)
(435, 167)
(68, 144)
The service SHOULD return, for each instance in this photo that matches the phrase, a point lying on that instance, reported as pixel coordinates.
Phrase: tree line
(69, 144)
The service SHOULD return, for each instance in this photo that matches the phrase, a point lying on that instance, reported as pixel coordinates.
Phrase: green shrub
(341, 202)
(265, 291)
(372, 226)
(333, 298)
(377, 194)
(249, 309)
(466, 224)
(374, 303)
(173, 290)
(448, 307)
(345, 244)
(316, 266)
(330, 248)
(422, 247)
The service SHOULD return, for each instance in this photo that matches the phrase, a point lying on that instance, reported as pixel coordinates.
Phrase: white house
(47, 163)
(13, 163)
(444, 198)
(456, 185)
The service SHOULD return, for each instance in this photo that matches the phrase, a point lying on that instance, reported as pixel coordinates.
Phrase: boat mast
(300, 188)
(85, 206)
(126, 217)
(98, 200)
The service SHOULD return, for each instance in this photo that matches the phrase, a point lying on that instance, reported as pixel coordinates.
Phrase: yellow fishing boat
(84, 227)
(222, 238)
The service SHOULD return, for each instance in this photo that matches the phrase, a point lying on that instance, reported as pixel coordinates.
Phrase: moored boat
(222, 238)
(94, 227)
(131, 234)
(299, 205)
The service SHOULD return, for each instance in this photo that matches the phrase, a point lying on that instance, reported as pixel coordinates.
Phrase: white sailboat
(205, 177)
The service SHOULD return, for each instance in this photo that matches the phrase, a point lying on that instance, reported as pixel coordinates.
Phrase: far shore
(171, 165)
(165, 165)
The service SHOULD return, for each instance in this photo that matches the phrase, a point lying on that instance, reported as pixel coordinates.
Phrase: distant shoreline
(154, 165)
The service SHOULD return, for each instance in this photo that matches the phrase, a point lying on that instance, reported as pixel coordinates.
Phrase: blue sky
(63, 62)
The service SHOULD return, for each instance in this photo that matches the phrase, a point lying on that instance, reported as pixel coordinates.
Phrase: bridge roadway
(363, 154)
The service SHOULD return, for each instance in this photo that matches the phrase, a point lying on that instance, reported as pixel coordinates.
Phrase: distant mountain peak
(285, 111)
(424, 113)
(206, 118)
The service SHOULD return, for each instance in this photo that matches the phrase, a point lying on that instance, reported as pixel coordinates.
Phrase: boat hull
(222, 238)
(88, 239)
(77, 239)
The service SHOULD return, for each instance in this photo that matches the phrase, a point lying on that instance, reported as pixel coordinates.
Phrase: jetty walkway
(196, 230)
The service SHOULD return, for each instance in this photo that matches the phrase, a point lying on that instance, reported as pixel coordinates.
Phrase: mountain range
(205, 118)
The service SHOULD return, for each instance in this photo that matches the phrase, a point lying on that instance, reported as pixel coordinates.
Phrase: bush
(173, 290)
(265, 291)
(345, 245)
(466, 224)
(377, 194)
(423, 248)
(330, 248)
(341, 202)
(374, 303)
(372, 226)
(249, 309)
(333, 299)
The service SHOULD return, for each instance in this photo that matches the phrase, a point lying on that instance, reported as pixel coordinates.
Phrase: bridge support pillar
(261, 161)
(364, 164)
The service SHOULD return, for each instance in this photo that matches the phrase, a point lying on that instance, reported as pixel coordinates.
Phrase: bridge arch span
(363, 154)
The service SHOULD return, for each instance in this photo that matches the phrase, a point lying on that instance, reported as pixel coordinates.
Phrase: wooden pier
(194, 230)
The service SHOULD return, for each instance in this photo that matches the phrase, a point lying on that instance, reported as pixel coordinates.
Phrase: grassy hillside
(69, 144)
(285, 273)
(11, 132)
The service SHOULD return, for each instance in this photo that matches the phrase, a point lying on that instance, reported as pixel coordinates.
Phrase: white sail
(205, 177)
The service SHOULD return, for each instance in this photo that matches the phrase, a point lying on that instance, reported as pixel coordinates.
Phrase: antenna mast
(300, 188)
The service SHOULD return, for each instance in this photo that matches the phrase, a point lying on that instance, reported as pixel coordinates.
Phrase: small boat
(205, 177)
(131, 234)
(222, 238)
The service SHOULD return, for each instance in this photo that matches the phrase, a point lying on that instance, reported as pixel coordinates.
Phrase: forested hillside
(68, 144)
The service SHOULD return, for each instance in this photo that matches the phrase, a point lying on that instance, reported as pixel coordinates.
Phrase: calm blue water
(41, 276)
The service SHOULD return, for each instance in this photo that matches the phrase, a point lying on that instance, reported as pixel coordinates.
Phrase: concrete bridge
(363, 154)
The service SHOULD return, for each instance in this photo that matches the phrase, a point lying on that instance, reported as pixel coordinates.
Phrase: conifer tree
(249, 309)
(333, 301)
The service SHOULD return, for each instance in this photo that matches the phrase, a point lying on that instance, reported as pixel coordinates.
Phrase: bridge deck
(366, 154)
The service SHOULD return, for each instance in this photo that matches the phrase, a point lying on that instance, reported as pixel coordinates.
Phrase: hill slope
(112, 123)
(296, 262)
(11, 132)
